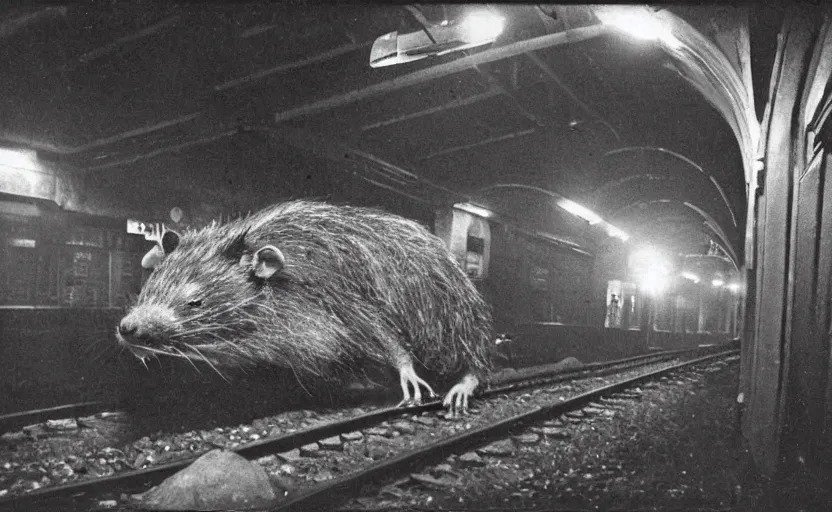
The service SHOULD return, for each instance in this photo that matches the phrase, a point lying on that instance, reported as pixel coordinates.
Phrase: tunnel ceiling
(136, 84)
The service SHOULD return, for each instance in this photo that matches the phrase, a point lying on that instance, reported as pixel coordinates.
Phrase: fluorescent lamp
(690, 276)
(617, 233)
(637, 22)
(474, 210)
(480, 27)
(580, 211)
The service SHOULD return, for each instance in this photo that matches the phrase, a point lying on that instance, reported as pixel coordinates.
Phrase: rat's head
(203, 297)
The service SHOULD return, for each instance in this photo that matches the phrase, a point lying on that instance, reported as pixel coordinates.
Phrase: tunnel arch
(705, 66)
(707, 221)
(621, 186)
(674, 155)
(637, 190)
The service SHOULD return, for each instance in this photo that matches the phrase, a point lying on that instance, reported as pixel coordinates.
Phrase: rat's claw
(457, 398)
(408, 402)
(407, 378)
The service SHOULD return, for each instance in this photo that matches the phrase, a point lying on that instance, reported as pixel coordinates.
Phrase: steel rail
(16, 420)
(139, 478)
(341, 489)
(13, 421)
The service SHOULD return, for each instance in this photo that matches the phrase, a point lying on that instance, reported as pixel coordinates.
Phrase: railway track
(509, 388)
(338, 491)
(14, 421)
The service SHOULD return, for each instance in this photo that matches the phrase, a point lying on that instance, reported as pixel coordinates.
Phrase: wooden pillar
(769, 369)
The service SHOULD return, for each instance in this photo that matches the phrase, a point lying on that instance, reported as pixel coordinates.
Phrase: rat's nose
(125, 329)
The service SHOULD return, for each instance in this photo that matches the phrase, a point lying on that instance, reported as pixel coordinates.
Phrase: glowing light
(648, 257)
(651, 268)
(654, 280)
(474, 210)
(617, 233)
(580, 211)
(18, 159)
(481, 27)
(22, 166)
(690, 276)
(717, 283)
(734, 287)
(637, 22)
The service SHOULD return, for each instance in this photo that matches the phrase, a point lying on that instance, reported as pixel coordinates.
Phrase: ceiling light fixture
(580, 211)
(476, 28)
(638, 22)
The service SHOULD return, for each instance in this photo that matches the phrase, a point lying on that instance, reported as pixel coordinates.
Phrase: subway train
(68, 277)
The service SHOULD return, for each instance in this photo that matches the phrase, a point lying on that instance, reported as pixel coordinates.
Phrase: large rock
(219, 480)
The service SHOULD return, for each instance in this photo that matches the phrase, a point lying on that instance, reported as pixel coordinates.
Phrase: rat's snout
(147, 325)
(127, 328)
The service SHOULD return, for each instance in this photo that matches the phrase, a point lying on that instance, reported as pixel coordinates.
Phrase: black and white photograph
(375, 255)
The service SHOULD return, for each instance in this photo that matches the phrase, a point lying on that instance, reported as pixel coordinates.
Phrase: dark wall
(530, 280)
(66, 355)
(540, 343)
(51, 356)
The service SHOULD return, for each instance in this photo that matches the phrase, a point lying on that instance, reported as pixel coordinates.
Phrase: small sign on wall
(539, 277)
(469, 239)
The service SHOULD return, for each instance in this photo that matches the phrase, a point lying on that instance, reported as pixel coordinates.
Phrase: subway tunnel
(585, 174)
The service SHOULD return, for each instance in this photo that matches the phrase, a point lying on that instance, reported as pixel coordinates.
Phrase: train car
(67, 277)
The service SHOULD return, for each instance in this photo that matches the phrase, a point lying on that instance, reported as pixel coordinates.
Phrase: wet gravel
(671, 445)
(318, 462)
(49, 454)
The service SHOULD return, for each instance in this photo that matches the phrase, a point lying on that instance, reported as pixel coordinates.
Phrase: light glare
(651, 269)
(717, 283)
(580, 211)
(474, 209)
(18, 159)
(690, 276)
(638, 22)
(654, 281)
(481, 27)
(617, 233)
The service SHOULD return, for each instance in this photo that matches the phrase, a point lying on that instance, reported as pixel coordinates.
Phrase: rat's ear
(168, 242)
(236, 247)
(266, 262)
(153, 257)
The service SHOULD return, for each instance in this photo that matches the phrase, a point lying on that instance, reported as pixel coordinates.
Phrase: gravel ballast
(675, 447)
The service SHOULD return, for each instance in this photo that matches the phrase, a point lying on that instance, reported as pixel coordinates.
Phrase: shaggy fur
(358, 286)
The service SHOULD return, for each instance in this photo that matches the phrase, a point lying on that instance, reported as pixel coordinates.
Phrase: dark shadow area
(172, 396)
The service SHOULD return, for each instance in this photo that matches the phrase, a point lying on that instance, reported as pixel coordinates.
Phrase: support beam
(135, 133)
(552, 76)
(8, 27)
(417, 77)
(463, 102)
(512, 98)
(113, 46)
(441, 70)
(485, 142)
(163, 150)
(282, 68)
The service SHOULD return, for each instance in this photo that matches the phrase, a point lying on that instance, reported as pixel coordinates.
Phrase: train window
(64, 263)
(476, 244)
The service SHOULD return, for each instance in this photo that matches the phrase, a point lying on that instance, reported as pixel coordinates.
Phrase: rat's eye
(195, 303)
